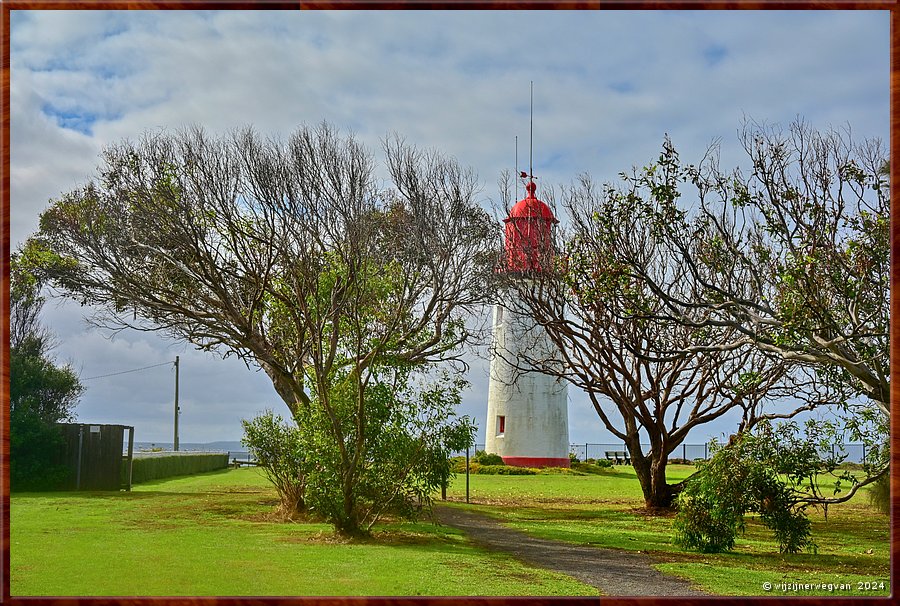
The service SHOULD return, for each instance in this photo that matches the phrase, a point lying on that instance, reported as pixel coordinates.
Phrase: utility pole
(176, 404)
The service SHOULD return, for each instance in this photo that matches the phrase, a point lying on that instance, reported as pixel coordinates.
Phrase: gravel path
(611, 571)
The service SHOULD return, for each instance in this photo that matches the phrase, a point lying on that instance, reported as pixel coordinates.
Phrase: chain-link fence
(852, 453)
(855, 453)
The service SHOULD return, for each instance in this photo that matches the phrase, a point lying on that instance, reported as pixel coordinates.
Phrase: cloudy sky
(607, 87)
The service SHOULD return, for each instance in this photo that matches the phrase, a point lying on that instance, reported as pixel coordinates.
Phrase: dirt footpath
(611, 571)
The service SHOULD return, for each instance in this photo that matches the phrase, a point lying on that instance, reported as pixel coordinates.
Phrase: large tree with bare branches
(645, 378)
(784, 265)
(287, 254)
(792, 255)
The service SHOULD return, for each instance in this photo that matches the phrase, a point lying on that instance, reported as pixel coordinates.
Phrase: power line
(122, 372)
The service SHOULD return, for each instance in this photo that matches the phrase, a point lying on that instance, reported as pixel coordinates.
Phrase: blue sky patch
(714, 54)
(79, 121)
(622, 87)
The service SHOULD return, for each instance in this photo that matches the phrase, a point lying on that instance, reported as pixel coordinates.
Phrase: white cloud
(608, 85)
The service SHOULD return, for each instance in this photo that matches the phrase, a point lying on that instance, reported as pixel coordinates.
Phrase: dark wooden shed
(94, 455)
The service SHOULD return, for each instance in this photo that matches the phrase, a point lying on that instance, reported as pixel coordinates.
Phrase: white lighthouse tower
(527, 413)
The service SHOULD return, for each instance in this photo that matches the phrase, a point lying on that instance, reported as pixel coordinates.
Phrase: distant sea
(232, 448)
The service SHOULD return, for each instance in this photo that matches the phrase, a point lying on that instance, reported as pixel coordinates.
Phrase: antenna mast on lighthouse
(516, 178)
(531, 137)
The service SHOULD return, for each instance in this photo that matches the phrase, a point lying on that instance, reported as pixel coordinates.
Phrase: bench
(618, 457)
(235, 463)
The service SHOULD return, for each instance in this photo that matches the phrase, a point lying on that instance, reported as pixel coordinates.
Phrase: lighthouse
(527, 413)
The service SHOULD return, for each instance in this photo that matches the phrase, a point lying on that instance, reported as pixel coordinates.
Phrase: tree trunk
(651, 473)
(662, 494)
(284, 387)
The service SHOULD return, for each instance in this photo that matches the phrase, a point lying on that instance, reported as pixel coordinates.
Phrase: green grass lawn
(213, 534)
(607, 511)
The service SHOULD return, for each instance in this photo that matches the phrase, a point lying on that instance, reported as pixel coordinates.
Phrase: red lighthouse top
(529, 233)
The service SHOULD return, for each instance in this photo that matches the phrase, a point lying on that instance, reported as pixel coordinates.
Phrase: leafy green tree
(411, 430)
(288, 254)
(41, 394)
(403, 455)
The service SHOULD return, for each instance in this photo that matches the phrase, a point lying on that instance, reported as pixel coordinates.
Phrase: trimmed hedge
(166, 466)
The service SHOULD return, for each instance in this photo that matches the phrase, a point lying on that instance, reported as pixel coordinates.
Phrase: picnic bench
(235, 463)
(618, 457)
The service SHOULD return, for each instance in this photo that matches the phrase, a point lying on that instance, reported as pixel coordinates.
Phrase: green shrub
(702, 526)
(41, 394)
(479, 466)
(712, 504)
(601, 466)
(747, 476)
(880, 494)
(35, 452)
(597, 462)
(457, 464)
(487, 458)
(154, 468)
(279, 448)
(503, 470)
(402, 457)
(559, 471)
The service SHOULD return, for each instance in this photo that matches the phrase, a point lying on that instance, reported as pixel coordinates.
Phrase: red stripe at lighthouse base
(537, 461)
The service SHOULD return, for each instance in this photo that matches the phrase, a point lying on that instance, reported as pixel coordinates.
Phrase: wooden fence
(93, 454)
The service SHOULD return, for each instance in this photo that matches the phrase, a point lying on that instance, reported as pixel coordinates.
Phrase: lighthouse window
(501, 425)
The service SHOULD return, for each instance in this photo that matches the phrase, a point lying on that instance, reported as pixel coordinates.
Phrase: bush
(457, 465)
(41, 395)
(598, 462)
(503, 470)
(702, 526)
(711, 506)
(880, 494)
(487, 458)
(279, 449)
(402, 456)
(35, 448)
(598, 467)
(559, 471)
(746, 476)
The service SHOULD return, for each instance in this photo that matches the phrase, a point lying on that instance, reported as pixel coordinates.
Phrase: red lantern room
(529, 233)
